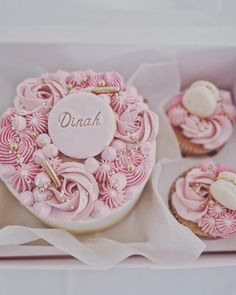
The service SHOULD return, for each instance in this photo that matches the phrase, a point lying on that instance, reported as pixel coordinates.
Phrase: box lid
(133, 21)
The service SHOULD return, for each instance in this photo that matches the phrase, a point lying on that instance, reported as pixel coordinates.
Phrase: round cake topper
(82, 125)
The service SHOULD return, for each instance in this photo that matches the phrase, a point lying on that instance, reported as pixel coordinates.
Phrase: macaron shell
(199, 101)
(224, 192)
(209, 86)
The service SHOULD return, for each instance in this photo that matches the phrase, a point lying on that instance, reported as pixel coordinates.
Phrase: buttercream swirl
(211, 132)
(79, 189)
(112, 196)
(24, 142)
(39, 94)
(137, 125)
(192, 201)
(110, 79)
(133, 165)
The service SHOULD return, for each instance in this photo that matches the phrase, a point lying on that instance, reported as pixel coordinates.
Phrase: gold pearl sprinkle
(14, 147)
(130, 167)
(69, 86)
(101, 83)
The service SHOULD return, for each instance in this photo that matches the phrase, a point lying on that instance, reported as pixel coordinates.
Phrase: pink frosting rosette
(39, 94)
(211, 132)
(137, 125)
(23, 142)
(75, 198)
(110, 79)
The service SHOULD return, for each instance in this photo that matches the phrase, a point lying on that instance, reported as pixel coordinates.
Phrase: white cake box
(101, 42)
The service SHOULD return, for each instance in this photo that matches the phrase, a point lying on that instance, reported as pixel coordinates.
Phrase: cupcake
(202, 117)
(76, 149)
(204, 200)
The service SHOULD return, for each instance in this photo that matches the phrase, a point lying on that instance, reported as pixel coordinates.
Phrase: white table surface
(119, 281)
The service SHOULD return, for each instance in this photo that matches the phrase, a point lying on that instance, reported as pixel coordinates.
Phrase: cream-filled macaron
(199, 100)
(209, 86)
(224, 190)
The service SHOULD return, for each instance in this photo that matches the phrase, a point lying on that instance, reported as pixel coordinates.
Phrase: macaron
(224, 190)
(200, 100)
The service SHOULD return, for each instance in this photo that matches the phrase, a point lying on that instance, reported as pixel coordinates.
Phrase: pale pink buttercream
(39, 94)
(211, 132)
(25, 143)
(121, 100)
(110, 79)
(133, 166)
(104, 171)
(137, 125)
(23, 178)
(112, 196)
(79, 79)
(75, 198)
(193, 202)
(37, 122)
(6, 118)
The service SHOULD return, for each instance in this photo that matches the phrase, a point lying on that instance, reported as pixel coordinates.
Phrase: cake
(202, 117)
(76, 149)
(204, 200)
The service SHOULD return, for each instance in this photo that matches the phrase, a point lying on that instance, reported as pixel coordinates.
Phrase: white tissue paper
(149, 230)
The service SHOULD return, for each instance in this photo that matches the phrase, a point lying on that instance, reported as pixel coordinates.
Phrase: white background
(30, 16)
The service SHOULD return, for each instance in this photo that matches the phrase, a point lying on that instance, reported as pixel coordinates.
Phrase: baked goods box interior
(212, 58)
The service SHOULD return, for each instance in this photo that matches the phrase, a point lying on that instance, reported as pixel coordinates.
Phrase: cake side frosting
(55, 186)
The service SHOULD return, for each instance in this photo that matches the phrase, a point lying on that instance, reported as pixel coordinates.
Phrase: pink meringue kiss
(77, 148)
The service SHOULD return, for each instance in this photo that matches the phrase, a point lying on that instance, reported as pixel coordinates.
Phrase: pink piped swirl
(23, 178)
(137, 125)
(112, 196)
(211, 132)
(121, 100)
(79, 79)
(105, 170)
(37, 122)
(75, 198)
(6, 118)
(39, 94)
(24, 141)
(192, 201)
(133, 165)
(110, 79)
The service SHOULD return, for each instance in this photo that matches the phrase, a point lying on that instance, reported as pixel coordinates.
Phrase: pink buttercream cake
(77, 148)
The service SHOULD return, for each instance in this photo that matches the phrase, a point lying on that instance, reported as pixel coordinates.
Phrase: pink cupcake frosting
(39, 94)
(192, 201)
(211, 132)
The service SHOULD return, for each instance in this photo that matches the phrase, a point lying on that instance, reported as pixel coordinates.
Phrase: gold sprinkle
(52, 174)
(14, 147)
(69, 86)
(101, 83)
(100, 90)
(130, 167)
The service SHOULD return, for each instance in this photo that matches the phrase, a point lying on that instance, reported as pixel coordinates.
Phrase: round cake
(202, 117)
(77, 149)
(204, 200)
